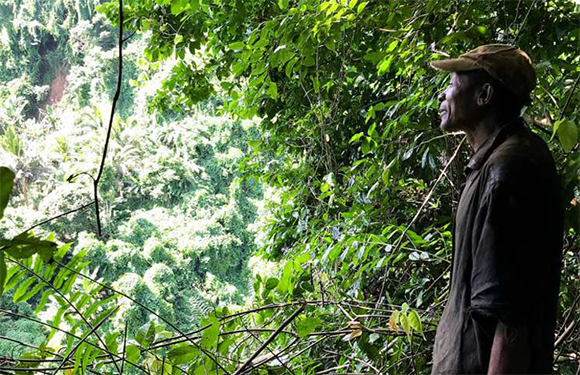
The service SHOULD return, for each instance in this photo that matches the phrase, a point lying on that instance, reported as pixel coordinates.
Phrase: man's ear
(484, 94)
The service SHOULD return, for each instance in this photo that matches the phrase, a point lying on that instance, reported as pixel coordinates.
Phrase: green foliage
(6, 185)
(347, 107)
(347, 149)
(176, 216)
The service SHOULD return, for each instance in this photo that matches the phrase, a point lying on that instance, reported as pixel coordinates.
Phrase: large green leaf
(210, 335)
(307, 325)
(26, 244)
(567, 134)
(132, 353)
(6, 186)
(2, 272)
(146, 334)
(183, 354)
(415, 321)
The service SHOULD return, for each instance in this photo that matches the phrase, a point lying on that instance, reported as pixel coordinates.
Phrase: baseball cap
(508, 64)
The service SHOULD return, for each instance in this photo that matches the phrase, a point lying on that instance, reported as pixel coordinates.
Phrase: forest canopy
(276, 196)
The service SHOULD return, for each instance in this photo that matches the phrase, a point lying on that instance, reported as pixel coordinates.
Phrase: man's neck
(484, 129)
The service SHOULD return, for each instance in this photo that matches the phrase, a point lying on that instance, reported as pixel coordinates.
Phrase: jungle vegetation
(247, 186)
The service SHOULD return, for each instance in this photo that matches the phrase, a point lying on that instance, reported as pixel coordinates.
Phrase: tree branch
(270, 339)
(111, 117)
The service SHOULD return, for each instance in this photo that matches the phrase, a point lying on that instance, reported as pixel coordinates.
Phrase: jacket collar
(491, 143)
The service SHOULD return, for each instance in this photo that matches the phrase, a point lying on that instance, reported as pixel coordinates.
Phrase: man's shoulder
(521, 156)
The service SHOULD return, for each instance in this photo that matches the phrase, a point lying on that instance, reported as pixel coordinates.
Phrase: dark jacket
(507, 254)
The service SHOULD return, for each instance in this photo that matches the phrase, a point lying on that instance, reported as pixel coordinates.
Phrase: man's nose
(441, 96)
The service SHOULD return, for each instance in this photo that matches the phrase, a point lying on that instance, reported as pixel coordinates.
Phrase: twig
(59, 216)
(2, 337)
(270, 339)
(130, 36)
(566, 333)
(332, 369)
(569, 97)
(524, 21)
(273, 353)
(124, 349)
(111, 117)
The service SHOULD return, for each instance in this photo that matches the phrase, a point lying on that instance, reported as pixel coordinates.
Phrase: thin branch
(524, 21)
(268, 359)
(241, 369)
(565, 334)
(2, 337)
(59, 216)
(111, 117)
(273, 353)
(130, 36)
(124, 349)
(569, 97)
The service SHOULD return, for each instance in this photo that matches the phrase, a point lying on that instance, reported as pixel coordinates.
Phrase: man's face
(458, 105)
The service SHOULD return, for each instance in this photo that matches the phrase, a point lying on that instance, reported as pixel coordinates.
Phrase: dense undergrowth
(177, 220)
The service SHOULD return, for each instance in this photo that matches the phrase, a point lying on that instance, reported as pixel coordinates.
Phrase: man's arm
(510, 352)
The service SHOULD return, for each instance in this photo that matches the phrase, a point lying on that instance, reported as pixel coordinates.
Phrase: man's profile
(507, 240)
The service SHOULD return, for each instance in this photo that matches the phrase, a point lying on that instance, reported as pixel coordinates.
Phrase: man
(501, 311)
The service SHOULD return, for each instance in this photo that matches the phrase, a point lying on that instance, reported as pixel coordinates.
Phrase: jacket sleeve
(503, 250)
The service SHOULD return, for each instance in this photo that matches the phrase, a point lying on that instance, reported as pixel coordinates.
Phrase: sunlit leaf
(6, 185)
(2, 272)
(567, 134)
(307, 325)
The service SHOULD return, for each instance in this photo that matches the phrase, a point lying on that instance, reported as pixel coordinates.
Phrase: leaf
(394, 320)
(290, 66)
(271, 283)
(210, 335)
(146, 334)
(284, 286)
(356, 137)
(13, 276)
(26, 244)
(32, 292)
(415, 321)
(356, 328)
(2, 272)
(261, 43)
(404, 321)
(329, 43)
(272, 91)
(236, 45)
(178, 6)
(361, 7)
(307, 325)
(6, 185)
(132, 353)
(22, 288)
(567, 134)
(182, 354)
(283, 4)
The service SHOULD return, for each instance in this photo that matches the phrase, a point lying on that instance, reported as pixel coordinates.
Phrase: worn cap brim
(455, 65)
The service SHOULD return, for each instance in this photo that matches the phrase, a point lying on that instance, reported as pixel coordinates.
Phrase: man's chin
(448, 127)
